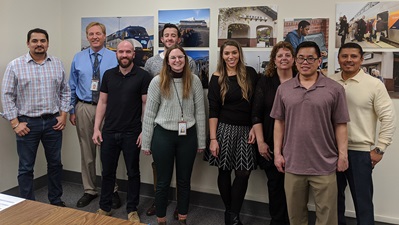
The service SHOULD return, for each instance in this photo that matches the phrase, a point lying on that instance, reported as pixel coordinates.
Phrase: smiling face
(96, 37)
(177, 60)
(170, 37)
(350, 61)
(307, 68)
(231, 56)
(125, 54)
(284, 59)
(37, 44)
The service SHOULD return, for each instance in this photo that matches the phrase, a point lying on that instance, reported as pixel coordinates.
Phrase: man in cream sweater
(368, 102)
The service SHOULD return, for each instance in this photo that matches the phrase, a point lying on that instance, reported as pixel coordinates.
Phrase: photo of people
(201, 59)
(192, 23)
(254, 26)
(370, 24)
(312, 29)
(138, 30)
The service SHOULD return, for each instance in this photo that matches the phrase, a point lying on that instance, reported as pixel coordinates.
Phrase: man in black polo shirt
(122, 101)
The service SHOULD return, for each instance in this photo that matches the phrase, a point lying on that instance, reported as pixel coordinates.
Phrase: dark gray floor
(197, 214)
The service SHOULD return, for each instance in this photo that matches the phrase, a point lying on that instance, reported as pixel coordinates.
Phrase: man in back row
(87, 70)
(170, 35)
(368, 102)
(35, 96)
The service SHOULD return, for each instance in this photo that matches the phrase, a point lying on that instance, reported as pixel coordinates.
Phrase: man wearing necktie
(87, 69)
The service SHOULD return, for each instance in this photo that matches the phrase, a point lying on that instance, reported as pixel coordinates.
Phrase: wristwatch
(378, 151)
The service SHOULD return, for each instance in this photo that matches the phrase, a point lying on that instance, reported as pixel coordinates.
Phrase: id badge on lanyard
(182, 128)
(95, 83)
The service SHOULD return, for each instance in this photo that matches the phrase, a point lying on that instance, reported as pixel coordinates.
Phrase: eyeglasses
(177, 57)
(310, 60)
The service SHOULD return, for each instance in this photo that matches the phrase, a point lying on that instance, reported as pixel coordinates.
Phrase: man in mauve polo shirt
(35, 96)
(87, 69)
(310, 137)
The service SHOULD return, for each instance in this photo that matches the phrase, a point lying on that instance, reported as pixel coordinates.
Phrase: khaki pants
(324, 190)
(85, 115)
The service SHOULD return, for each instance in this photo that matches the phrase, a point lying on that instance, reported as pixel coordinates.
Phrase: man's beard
(130, 61)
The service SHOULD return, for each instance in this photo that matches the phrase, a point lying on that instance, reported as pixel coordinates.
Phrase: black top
(263, 103)
(124, 105)
(236, 110)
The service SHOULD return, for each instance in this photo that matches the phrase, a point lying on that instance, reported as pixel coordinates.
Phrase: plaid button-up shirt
(34, 89)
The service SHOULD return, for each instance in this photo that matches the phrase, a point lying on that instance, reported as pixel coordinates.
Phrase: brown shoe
(182, 222)
(103, 212)
(151, 211)
(133, 217)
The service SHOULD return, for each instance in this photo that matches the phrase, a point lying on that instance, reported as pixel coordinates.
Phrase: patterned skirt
(234, 151)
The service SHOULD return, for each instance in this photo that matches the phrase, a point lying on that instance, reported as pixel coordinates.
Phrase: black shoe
(234, 218)
(176, 214)
(60, 204)
(85, 200)
(151, 211)
(116, 201)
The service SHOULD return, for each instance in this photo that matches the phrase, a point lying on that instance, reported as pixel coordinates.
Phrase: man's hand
(97, 137)
(22, 129)
(61, 122)
(375, 158)
(342, 164)
(138, 142)
(72, 119)
(279, 162)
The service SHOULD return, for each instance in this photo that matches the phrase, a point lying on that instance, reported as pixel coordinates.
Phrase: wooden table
(36, 213)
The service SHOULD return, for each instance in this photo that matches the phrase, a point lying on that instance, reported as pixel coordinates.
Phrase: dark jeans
(167, 146)
(41, 129)
(359, 177)
(277, 202)
(111, 147)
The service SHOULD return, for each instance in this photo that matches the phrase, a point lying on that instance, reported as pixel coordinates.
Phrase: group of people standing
(292, 122)
(362, 29)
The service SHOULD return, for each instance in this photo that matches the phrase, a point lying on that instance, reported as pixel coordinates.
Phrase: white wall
(62, 21)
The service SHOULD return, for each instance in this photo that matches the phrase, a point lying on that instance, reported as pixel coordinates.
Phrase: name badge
(182, 128)
(94, 85)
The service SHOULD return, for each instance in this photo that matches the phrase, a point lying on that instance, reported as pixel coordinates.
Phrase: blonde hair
(166, 74)
(244, 81)
(92, 24)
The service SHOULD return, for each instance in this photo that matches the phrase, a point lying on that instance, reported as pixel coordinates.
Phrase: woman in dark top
(230, 95)
(280, 69)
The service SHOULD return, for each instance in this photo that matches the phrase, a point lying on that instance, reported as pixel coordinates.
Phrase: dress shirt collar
(29, 58)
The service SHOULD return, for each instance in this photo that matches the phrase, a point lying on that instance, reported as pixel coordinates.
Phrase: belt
(44, 116)
(91, 103)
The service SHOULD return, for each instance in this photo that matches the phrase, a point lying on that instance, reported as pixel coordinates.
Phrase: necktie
(96, 76)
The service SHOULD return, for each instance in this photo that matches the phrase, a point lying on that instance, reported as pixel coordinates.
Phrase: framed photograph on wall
(139, 30)
(254, 26)
(370, 24)
(192, 23)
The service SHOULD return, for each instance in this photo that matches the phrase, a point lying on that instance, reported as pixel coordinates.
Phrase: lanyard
(178, 98)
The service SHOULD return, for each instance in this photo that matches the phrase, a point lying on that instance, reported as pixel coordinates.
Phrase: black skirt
(235, 153)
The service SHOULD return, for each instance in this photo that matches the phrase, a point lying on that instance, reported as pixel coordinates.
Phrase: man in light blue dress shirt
(84, 88)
